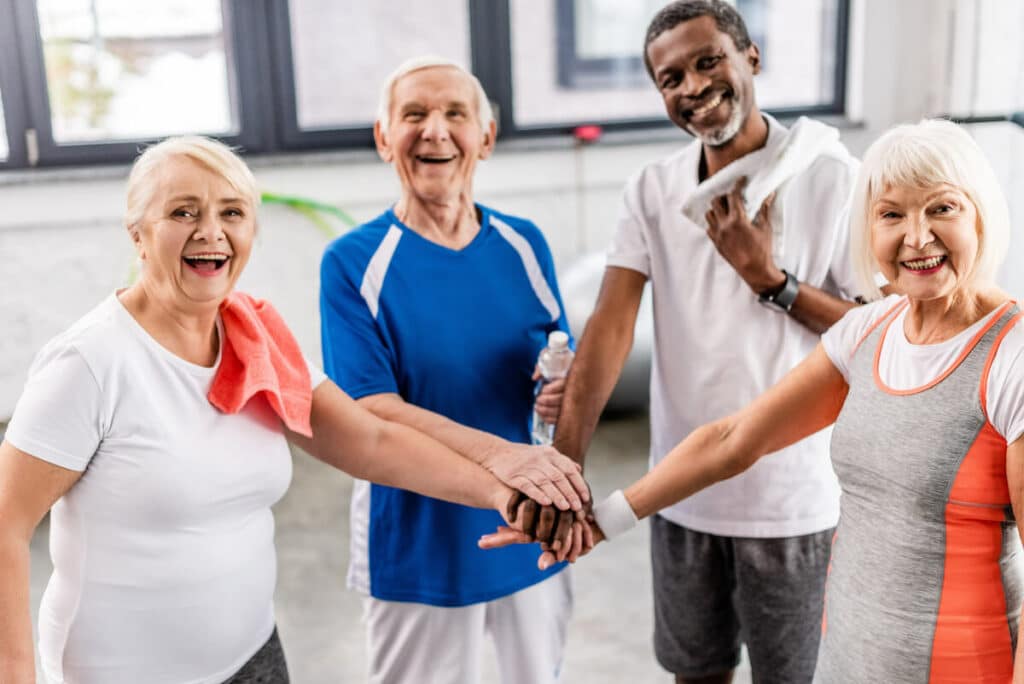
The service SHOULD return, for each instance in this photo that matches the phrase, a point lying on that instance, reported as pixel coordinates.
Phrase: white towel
(766, 170)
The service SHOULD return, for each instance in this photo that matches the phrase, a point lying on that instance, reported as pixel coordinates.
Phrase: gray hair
(484, 112)
(924, 155)
(212, 154)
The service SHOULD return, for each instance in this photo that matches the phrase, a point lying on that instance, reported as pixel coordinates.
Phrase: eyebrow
(194, 198)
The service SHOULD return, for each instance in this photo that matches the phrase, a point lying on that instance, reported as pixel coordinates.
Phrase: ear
(136, 237)
(754, 58)
(383, 145)
(490, 135)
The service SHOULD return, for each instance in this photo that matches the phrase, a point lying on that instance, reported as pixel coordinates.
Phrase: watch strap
(782, 297)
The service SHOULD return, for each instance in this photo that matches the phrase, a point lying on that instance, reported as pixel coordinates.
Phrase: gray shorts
(268, 666)
(712, 594)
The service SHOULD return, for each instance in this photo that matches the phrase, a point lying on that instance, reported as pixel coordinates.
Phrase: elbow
(738, 454)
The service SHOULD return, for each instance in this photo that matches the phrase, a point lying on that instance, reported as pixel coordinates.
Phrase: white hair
(484, 112)
(924, 155)
(212, 154)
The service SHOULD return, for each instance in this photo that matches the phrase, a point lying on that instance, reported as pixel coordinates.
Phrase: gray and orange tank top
(927, 576)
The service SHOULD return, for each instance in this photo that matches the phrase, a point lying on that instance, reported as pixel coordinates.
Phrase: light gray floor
(319, 620)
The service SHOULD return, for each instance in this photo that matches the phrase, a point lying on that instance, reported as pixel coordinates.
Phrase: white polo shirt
(716, 347)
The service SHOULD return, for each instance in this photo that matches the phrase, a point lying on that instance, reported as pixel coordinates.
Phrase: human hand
(540, 473)
(548, 403)
(584, 536)
(745, 244)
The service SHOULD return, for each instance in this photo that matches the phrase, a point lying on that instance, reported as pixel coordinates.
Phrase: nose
(208, 227)
(435, 126)
(694, 84)
(919, 233)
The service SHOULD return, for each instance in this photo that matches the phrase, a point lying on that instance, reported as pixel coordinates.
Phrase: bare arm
(1015, 480)
(806, 400)
(600, 355)
(28, 488)
(350, 438)
(540, 472)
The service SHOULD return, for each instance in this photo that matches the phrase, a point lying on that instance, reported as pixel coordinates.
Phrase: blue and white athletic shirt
(455, 332)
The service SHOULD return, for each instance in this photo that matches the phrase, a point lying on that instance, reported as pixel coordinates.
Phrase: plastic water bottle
(554, 362)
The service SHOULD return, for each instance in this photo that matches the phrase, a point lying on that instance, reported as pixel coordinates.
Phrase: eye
(456, 114)
(233, 213)
(184, 213)
(413, 115)
(944, 208)
(670, 81)
(705, 63)
(889, 214)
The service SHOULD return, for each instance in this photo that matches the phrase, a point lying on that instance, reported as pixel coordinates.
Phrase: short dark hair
(727, 19)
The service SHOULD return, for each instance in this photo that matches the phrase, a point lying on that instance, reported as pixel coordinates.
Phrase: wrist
(784, 296)
(770, 283)
(614, 515)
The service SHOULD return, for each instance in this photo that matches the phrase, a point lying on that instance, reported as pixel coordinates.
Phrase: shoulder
(509, 225)
(848, 331)
(355, 248)
(96, 341)
(663, 172)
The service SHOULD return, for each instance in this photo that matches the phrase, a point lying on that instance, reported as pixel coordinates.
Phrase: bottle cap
(557, 340)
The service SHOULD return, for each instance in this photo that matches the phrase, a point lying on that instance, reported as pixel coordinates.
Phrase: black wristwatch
(782, 297)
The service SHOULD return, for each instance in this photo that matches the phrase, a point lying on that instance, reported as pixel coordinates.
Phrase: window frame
(242, 57)
(584, 73)
(261, 70)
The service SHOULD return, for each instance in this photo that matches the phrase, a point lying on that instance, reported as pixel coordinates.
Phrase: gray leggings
(268, 666)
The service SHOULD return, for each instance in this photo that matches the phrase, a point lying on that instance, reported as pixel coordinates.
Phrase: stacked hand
(564, 535)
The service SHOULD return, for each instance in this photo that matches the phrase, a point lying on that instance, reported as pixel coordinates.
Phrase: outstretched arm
(348, 437)
(806, 400)
(28, 488)
(600, 356)
(540, 472)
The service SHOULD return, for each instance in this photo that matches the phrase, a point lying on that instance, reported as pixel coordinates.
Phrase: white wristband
(614, 515)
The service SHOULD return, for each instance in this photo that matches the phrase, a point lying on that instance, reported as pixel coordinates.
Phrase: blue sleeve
(547, 266)
(356, 356)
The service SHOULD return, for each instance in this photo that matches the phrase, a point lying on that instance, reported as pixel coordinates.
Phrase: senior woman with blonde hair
(926, 390)
(156, 428)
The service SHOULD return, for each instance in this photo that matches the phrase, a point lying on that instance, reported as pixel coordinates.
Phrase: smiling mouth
(925, 265)
(710, 103)
(206, 264)
(434, 159)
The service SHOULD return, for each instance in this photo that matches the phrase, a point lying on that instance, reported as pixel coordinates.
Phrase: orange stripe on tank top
(972, 640)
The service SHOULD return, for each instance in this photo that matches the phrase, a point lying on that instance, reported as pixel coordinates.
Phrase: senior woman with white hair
(433, 315)
(926, 390)
(156, 428)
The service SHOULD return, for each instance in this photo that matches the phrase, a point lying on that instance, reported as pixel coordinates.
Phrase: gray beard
(727, 132)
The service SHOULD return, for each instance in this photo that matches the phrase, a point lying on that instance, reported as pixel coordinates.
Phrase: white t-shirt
(163, 551)
(716, 347)
(903, 365)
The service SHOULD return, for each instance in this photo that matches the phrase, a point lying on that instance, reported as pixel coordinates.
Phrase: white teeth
(207, 257)
(923, 264)
(715, 101)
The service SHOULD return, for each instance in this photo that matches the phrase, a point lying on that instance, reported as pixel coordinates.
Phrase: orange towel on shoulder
(259, 354)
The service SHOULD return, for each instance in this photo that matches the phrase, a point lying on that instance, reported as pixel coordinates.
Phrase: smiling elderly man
(741, 237)
(433, 314)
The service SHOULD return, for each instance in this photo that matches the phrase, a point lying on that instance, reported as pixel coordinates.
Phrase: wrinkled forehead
(433, 83)
(182, 175)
